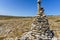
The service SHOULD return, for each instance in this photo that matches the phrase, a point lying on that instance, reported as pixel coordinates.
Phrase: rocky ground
(16, 26)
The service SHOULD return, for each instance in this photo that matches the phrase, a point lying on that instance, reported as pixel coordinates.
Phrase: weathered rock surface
(40, 28)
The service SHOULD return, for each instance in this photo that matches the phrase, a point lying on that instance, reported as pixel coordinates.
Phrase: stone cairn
(40, 27)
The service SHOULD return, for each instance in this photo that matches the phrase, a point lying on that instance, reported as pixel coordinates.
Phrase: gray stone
(40, 28)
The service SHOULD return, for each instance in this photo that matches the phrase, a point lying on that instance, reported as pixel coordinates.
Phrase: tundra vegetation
(12, 26)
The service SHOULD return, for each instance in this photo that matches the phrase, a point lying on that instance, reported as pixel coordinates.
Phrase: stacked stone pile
(40, 28)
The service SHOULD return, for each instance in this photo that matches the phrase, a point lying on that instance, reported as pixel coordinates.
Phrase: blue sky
(28, 7)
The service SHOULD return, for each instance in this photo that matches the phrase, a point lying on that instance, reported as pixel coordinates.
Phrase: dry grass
(20, 25)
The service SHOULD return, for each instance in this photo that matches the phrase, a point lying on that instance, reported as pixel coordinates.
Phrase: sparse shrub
(57, 21)
(1, 24)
